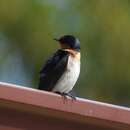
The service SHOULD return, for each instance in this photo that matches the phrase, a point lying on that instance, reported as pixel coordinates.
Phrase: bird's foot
(64, 95)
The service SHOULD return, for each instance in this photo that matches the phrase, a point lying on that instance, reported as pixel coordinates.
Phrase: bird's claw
(64, 95)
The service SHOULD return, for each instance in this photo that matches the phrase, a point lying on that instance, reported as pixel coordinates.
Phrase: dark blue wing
(53, 70)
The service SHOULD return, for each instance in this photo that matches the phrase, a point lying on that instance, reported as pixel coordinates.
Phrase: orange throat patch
(75, 54)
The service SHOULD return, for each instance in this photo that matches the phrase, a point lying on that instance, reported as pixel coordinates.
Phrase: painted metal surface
(26, 108)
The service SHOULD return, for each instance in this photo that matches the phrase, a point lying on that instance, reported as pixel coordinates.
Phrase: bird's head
(69, 42)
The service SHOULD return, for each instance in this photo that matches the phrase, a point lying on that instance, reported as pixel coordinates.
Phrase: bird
(61, 71)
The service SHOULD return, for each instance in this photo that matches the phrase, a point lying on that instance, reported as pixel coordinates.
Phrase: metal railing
(30, 109)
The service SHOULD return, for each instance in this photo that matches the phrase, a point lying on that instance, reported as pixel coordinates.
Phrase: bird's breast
(70, 76)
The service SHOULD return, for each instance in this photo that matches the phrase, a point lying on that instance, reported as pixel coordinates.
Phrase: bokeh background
(27, 29)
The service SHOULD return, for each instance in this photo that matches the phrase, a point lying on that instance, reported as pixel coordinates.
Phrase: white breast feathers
(70, 76)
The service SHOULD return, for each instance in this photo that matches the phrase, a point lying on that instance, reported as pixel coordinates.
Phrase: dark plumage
(71, 41)
(53, 70)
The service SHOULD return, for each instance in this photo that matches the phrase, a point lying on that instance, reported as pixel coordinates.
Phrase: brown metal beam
(21, 106)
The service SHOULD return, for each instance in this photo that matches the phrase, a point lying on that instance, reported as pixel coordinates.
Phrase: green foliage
(102, 27)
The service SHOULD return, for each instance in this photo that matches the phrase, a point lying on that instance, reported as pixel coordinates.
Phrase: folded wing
(53, 70)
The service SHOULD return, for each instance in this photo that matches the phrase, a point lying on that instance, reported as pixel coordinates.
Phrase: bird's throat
(74, 53)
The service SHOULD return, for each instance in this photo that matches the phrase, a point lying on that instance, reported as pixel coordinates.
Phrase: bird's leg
(71, 96)
(64, 95)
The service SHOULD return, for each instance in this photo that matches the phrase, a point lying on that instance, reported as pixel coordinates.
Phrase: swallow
(61, 71)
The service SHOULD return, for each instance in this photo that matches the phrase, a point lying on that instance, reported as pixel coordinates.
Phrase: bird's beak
(56, 39)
